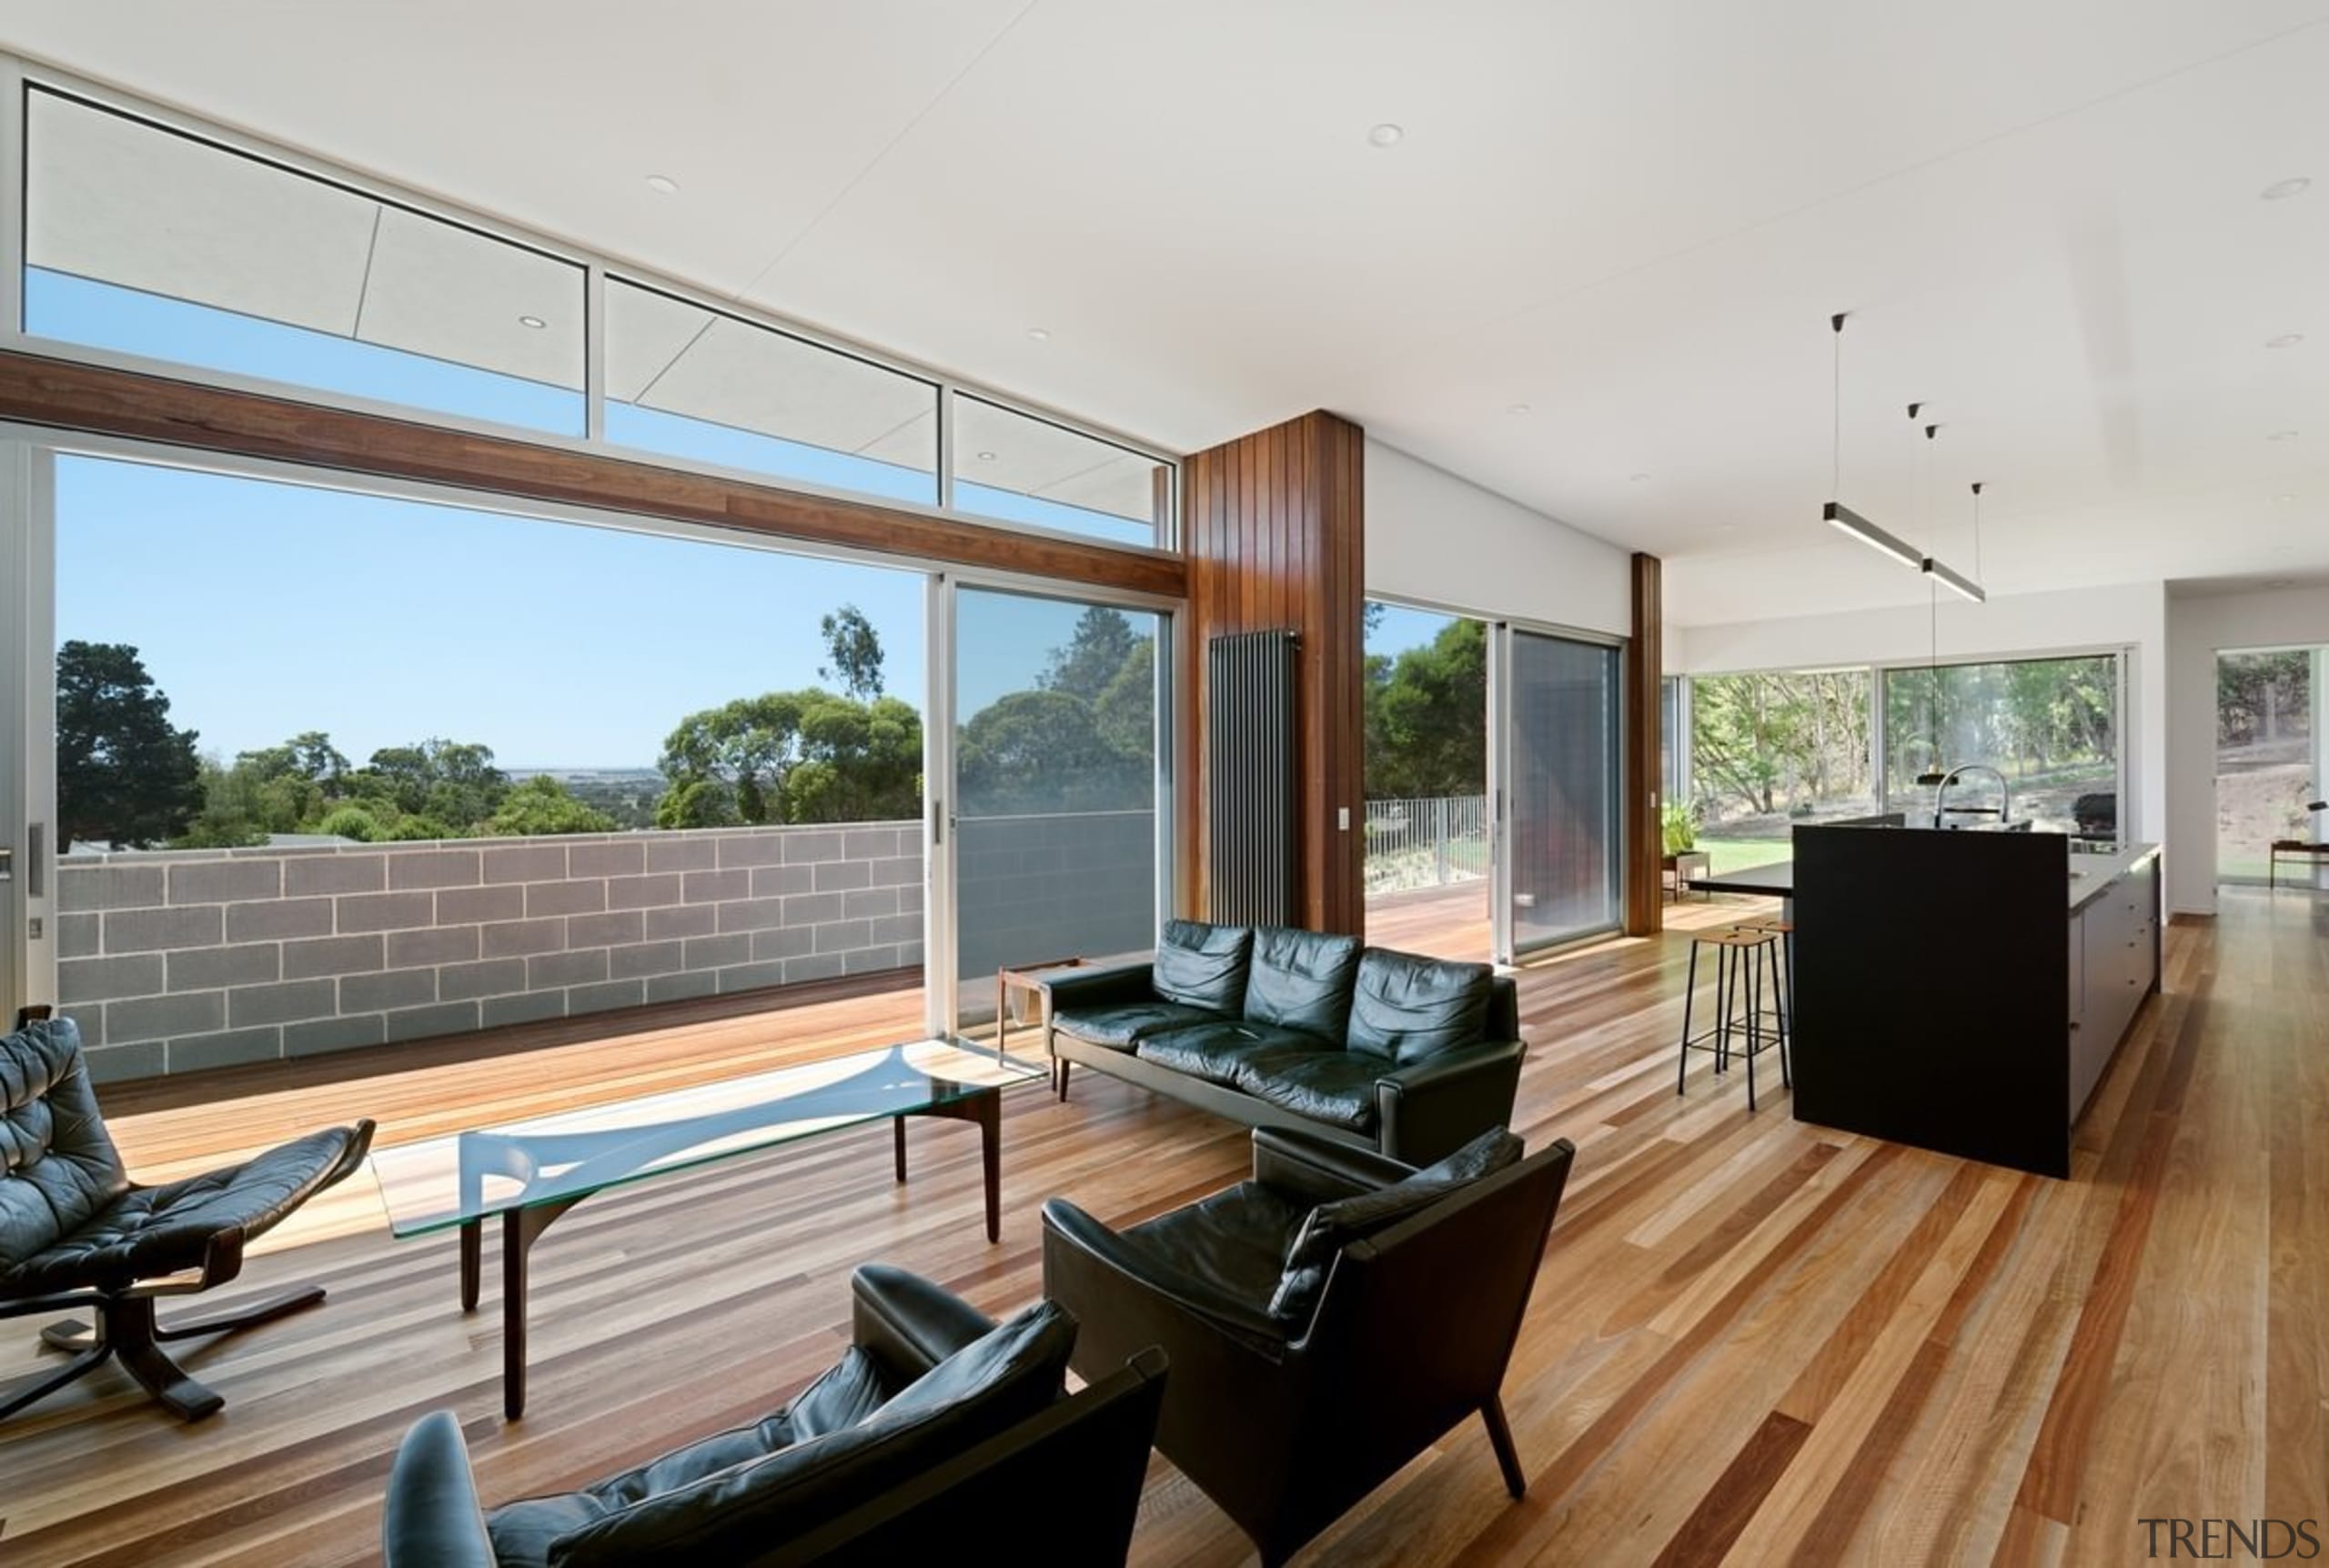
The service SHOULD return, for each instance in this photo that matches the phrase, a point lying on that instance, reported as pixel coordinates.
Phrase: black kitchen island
(1964, 992)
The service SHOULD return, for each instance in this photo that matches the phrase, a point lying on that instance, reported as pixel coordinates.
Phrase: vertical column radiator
(1251, 825)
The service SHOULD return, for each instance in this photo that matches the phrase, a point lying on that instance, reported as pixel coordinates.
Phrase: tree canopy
(1427, 717)
(805, 756)
(125, 776)
(1767, 743)
(855, 648)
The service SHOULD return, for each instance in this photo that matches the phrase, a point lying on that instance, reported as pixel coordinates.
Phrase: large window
(1769, 750)
(1024, 469)
(1426, 715)
(2049, 726)
(1056, 758)
(695, 383)
(2272, 761)
(149, 242)
(1562, 783)
(337, 769)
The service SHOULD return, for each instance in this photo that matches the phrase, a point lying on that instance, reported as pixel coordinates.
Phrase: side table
(1032, 981)
(1686, 865)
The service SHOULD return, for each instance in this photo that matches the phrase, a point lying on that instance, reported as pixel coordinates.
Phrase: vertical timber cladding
(1273, 528)
(1641, 772)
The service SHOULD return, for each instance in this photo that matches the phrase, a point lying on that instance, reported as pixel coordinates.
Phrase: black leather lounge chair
(1325, 1321)
(937, 1429)
(76, 1232)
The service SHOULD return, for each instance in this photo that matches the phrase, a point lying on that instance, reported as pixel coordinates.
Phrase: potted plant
(1680, 822)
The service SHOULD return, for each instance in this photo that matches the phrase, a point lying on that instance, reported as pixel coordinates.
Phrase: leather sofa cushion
(701, 1503)
(1330, 1086)
(58, 1167)
(146, 1232)
(1120, 1028)
(1301, 980)
(850, 1391)
(1216, 1050)
(1236, 1239)
(1405, 1008)
(1204, 966)
(1327, 1229)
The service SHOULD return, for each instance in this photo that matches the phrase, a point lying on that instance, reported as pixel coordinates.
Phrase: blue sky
(1403, 629)
(264, 610)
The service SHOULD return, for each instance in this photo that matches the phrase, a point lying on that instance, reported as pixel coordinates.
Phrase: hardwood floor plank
(1732, 1500)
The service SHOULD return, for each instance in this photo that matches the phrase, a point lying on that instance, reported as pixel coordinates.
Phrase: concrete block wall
(173, 961)
(1048, 887)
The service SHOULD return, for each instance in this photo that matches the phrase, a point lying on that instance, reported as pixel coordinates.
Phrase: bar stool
(1742, 954)
(1783, 974)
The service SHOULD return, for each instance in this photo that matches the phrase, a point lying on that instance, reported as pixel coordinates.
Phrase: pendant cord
(1977, 533)
(1836, 413)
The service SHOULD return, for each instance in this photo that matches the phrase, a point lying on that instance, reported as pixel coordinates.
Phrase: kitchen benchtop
(2091, 874)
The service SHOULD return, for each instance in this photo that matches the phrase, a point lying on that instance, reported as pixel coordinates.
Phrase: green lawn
(1734, 854)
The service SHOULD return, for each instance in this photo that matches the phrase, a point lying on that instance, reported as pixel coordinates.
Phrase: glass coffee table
(531, 1172)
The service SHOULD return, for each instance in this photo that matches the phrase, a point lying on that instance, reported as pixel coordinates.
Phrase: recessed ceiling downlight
(1637, 479)
(2281, 190)
(662, 184)
(1386, 134)
(1516, 408)
(2281, 436)
(986, 457)
(2286, 340)
(536, 322)
(1039, 334)
(2283, 499)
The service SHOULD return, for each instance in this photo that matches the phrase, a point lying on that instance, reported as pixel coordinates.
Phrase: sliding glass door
(1056, 745)
(1556, 768)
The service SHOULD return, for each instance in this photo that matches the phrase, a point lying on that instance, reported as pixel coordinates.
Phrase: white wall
(2131, 616)
(1443, 541)
(2198, 626)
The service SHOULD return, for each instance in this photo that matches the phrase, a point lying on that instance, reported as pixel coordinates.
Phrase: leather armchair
(76, 1232)
(1285, 1419)
(933, 1413)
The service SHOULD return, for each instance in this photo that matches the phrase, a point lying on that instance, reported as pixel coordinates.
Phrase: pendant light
(1835, 514)
(1844, 521)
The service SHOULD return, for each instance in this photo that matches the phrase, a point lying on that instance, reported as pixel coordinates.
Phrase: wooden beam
(1642, 771)
(63, 394)
(1273, 528)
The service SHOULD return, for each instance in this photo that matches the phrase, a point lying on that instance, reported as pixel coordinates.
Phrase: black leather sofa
(900, 1453)
(1407, 1056)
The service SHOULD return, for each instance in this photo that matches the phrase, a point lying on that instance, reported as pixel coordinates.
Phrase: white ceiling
(1632, 215)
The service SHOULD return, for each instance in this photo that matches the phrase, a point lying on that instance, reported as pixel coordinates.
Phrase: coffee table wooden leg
(472, 1262)
(990, 1119)
(520, 1228)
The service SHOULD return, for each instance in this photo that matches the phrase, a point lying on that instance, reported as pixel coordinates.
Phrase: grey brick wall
(1037, 888)
(176, 961)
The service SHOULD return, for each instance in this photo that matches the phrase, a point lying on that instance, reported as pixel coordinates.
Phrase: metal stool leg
(1724, 982)
(1787, 1029)
(1689, 997)
(1754, 956)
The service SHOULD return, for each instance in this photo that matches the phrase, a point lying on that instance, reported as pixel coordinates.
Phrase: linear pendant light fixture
(1842, 518)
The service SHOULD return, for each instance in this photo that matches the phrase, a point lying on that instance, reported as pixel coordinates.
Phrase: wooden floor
(1754, 1340)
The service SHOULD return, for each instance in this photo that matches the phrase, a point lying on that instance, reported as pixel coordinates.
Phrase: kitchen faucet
(1941, 793)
